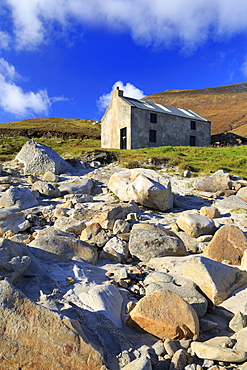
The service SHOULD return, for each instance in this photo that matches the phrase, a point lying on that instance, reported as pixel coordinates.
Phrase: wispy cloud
(129, 90)
(157, 22)
(14, 100)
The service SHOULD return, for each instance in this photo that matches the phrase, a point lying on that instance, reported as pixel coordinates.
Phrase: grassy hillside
(198, 160)
(224, 106)
(52, 127)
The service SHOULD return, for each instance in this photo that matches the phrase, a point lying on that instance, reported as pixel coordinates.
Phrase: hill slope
(52, 127)
(224, 106)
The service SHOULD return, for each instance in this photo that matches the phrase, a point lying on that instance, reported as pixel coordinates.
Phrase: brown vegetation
(224, 106)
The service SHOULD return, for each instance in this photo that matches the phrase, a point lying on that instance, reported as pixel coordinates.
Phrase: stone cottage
(131, 124)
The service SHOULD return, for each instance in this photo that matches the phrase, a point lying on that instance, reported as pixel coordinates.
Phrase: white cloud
(157, 22)
(14, 100)
(129, 90)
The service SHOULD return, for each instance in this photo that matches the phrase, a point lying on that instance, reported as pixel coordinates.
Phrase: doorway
(123, 138)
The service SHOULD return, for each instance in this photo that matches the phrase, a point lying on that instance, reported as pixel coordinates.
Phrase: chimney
(118, 92)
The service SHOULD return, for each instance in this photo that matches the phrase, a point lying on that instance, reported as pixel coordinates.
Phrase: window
(153, 117)
(152, 136)
(193, 125)
(192, 141)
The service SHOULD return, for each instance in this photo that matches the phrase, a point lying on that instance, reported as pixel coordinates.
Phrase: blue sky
(62, 58)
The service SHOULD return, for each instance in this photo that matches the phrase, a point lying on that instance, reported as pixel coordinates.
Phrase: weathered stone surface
(33, 337)
(145, 187)
(12, 219)
(52, 243)
(38, 159)
(227, 245)
(185, 288)
(47, 189)
(19, 197)
(211, 212)
(142, 363)
(81, 187)
(115, 249)
(231, 203)
(121, 227)
(50, 176)
(95, 235)
(223, 341)
(217, 353)
(241, 337)
(238, 322)
(13, 260)
(108, 215)
(242, 193)
(149, 241)
(69, 225)
(179, 360)
(165, 315)
(220, 180)
(196, 225)
(215, 279)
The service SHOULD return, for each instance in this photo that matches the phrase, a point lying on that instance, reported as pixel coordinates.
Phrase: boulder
(231, 203)
(33, 337)
(143, 186)
(219, 180)
(121, 227)
(13, 220)
(50, 177)
(149, 241)
(13, 260)
(95, 235)
(227, 245)
(211, 212)
(238, 322)
(80, 187)
(242, 193)
(216, 280)
(108, 215)
(38, 159)
(47, 189)
(217, 353)
(115, 249)
(165, 315)
(196, 225)
(18, 196)
(142, 363)
(181, 286)
(52, 243)
(241, 337)
(70, 225)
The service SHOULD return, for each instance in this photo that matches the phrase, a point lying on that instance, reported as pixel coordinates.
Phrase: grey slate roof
(160, 108)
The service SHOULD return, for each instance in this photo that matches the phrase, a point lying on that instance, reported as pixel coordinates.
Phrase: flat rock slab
(165, 315)
(80, 187)
(215, 279)
(145, 187)
(220, 180)
(217, 353)
(39, 158)
(36, 338)
(12, 219)
(227, 245)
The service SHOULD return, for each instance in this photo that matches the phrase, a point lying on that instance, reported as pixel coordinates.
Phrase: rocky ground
(105, 268)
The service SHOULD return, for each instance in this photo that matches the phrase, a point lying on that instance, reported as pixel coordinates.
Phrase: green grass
(197, 160)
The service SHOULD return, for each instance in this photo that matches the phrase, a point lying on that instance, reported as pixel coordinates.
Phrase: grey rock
(216, 280)
(142, 363)
(196, 225)
(52, 243)
(12, 219)
(18, 196)
(179, 360)
(217, 353)
(231, 203)
(220, 180)
(14, 260)
(50, 177)
(115, 249)
(70, 225)
(148, 241)
(121, 227)
(38, 159)
(241, 337)
(238, 322)
(81, 187)
(46, 188)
